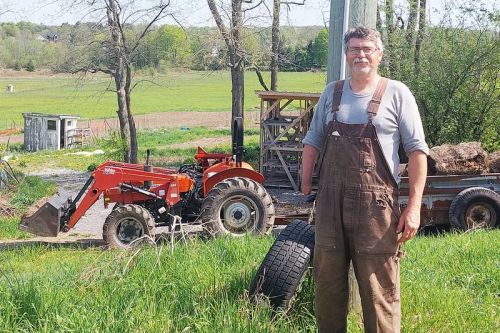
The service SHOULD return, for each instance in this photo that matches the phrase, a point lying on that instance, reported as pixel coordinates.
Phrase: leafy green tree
(452, 68)
(320, 49)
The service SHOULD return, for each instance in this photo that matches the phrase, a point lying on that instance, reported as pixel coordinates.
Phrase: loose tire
(474, 208)
(237, 206)
(281, 273)
(126, 224)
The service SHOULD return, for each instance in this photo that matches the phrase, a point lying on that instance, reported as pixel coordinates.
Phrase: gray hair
(364, 33)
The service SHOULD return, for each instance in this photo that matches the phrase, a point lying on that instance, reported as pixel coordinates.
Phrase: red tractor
(221, 192)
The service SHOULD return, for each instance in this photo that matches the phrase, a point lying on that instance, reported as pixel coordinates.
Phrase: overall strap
(376, 98)
(337, 95)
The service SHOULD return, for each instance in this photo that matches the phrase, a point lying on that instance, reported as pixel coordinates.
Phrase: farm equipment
(220, 192)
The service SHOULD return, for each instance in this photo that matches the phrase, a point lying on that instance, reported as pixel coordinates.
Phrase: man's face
(362, 56)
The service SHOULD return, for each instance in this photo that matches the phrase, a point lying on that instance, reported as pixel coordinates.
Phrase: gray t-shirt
(397, 120)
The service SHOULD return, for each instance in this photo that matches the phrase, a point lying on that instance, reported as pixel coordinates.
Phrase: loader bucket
(46, 221)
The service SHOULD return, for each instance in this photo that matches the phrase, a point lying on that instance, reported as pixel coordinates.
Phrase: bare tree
(275, 38)
(119, 47)
(232, 38)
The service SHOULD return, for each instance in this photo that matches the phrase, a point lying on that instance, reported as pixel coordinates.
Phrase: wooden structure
(284, 120)
(47, 131)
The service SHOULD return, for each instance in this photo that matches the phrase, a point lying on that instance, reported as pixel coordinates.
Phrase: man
(355, 133)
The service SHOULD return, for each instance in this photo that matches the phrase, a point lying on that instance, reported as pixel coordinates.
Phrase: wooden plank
(286, 95)
(264, 115)
(292, 181)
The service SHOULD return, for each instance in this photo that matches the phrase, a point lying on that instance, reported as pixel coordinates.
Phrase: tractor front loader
(221, 192)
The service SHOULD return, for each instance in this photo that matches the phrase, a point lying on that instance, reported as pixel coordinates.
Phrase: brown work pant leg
(378, 280)
(331, 266)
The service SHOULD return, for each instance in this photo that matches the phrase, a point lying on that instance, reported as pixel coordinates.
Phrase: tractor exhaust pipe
(237, 136)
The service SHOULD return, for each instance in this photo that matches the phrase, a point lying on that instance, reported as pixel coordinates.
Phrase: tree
(452, 68)
(232, 38)
(320, 49)
(116, 51)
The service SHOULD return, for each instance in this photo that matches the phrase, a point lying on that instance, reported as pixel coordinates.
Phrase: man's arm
(417, 173)
(308, 159)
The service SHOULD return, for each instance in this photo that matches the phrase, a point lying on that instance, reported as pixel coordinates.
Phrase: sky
(193, 12)
(188, 12)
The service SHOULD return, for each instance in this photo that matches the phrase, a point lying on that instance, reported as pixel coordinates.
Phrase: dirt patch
(6, 209)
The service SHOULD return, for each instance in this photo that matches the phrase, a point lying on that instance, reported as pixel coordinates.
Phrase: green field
(450, 283)
(92, 97)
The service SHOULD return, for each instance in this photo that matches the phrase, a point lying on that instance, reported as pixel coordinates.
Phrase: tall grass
(450, 283)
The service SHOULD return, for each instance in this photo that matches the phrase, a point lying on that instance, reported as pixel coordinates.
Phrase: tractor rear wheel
(126, 225)
(237, 206)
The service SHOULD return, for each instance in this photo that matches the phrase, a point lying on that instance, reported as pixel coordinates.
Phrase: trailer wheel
(280, 275)
(126, 224)
(237, 206)
(474, 208)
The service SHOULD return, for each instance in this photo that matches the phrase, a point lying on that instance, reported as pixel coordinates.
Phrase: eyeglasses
(357, 50)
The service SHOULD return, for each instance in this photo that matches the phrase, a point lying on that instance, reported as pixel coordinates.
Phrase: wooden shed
(47, 131)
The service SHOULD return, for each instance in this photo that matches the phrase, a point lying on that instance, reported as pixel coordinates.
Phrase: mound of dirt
(465, 158)
(494, 161)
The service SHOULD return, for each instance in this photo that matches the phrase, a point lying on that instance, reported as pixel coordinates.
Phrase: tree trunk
(237, 63)
(420, 35)
(413, 18)
(122, 77)
(130, 118)
(275, 41)
(389, 18)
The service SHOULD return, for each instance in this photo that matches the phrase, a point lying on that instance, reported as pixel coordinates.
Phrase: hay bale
(494, 161)
(466, 158)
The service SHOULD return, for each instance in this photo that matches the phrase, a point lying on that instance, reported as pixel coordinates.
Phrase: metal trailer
(464, 201)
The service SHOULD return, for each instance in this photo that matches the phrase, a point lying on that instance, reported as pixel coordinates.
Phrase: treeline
(30, 46)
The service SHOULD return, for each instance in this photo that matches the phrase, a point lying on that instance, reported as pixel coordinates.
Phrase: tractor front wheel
(126, 225)
(237, 206)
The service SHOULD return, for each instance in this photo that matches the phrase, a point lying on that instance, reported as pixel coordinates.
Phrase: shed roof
(46, 115)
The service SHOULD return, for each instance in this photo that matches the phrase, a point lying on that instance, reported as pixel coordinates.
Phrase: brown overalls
(357, 213)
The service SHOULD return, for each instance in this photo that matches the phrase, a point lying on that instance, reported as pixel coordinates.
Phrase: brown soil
(494, 161)
(464, 158)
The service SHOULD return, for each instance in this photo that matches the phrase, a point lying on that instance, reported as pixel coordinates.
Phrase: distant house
(48, 131)
(51, 37)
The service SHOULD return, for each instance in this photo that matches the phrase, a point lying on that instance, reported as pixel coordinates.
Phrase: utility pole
(345, 14)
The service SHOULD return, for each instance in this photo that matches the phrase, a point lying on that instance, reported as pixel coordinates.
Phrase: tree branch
(220, 23)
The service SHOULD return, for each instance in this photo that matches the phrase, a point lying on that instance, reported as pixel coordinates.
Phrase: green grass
(158, 141)
(92, 98)
(450, 283)
(29, 191)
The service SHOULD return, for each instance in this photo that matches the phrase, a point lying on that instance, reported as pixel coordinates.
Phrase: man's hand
(408, 224)
(308, 158)
(410, 219)
(306, 188)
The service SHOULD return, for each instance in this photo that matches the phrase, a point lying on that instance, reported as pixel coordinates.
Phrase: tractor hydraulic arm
(117, 180)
